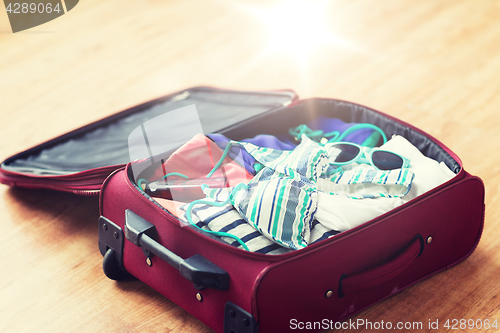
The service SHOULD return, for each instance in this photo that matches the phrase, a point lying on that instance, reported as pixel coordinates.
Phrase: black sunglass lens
(386, 161)
(347, 153)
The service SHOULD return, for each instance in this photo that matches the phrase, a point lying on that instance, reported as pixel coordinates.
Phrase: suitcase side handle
(383, 273)
(197, 269)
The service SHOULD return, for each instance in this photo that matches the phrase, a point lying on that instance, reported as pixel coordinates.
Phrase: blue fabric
(270, 141)
(261, 140)
(283, 142)
(327, 125)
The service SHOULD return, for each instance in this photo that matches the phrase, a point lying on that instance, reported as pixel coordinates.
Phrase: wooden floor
(435, 64)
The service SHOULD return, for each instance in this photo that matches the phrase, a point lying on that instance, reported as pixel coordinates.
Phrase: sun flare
(296, 27)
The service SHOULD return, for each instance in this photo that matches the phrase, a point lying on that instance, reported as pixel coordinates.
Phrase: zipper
(181, 96)
(88, 183)
(290, 99)
(88, 193)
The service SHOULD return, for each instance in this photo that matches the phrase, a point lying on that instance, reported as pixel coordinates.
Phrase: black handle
(197, 269)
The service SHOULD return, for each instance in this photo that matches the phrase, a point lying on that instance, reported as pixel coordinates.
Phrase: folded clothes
(227, 219)
(319, 124)
(286, 142)
(324, 127)
(263, 140)
(297, 198)
(281, 200)
(428, 172)
(191, 163)
(342, 212)
(197, 157)
(363, 181)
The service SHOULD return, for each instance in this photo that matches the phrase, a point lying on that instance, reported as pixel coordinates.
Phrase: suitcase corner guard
(197, 269)
(111, 247)
(238, 320)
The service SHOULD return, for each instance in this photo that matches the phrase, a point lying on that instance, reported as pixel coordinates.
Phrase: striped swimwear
(363, 181)
(275, 214)
(227, 219)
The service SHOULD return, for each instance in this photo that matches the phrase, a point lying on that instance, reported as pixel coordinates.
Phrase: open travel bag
(257, 211)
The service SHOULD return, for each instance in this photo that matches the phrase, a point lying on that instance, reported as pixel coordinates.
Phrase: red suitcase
(232, 290)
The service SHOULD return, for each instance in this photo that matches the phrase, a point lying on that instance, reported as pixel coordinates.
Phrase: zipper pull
(180, 97)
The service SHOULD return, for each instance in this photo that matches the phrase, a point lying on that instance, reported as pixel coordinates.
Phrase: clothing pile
(279, 197)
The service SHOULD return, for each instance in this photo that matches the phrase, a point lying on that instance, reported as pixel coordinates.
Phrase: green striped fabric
(362, 182)
(281, 200)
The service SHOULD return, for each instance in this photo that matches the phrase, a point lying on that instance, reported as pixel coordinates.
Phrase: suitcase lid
(80, 160)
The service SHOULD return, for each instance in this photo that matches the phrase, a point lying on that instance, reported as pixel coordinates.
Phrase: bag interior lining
(105, 143)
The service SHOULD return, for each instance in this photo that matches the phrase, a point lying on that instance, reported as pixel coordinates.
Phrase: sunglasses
(342, 153)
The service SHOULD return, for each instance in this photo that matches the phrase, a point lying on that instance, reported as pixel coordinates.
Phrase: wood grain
(434, 64)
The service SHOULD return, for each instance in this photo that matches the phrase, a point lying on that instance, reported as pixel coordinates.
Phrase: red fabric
(196, 159)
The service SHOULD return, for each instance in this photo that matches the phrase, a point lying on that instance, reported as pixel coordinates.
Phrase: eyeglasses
(342, 153)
